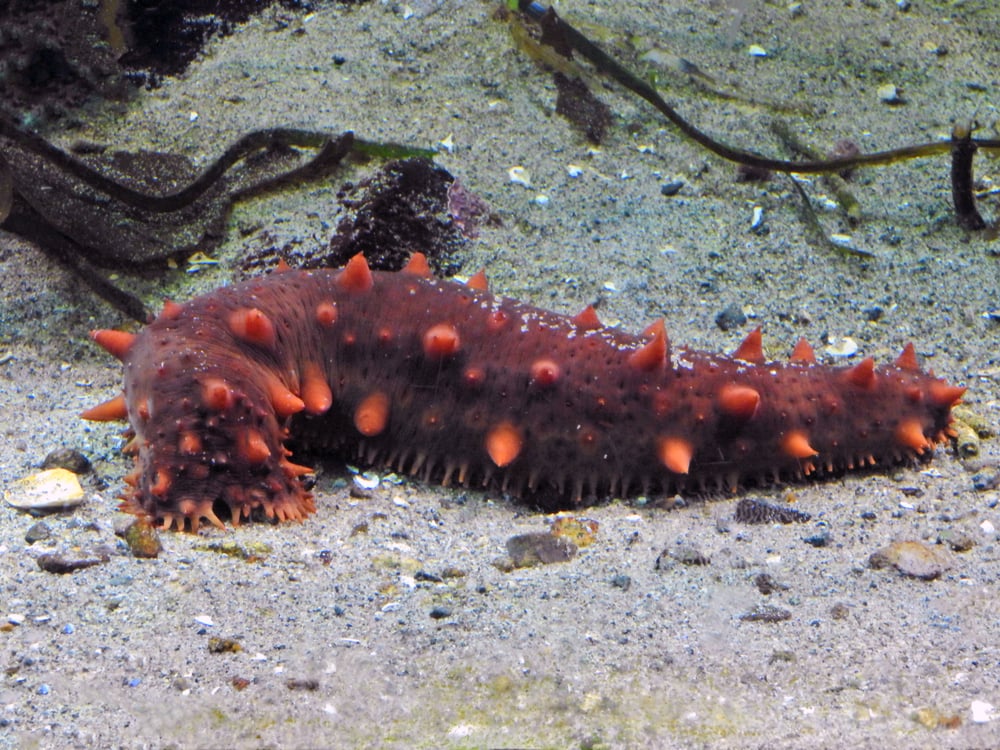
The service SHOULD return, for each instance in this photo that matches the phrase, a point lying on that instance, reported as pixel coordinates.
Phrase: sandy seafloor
(554, 656)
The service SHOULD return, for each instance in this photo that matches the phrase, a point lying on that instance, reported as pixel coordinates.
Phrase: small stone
(37, 532)
(672, 188)
(528, 550)
(204, 620)
(766, 613)
(51, 562)
(223, 646)
(143, 540)
(302, 684)
(888, 94)
(755, 50)
(820, 539)
(842, 347)
(751, 510)
(622, 581)
(688, 555)
(982, 712)
(839, 611)
(581, 531)
(520, 176)
(440, 612)
(731, 317)
(767, 585)
(911, 558)
(67, 458)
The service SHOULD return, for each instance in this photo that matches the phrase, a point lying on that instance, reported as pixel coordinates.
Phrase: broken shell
(842, 347)
(45, 492)
(520, 175)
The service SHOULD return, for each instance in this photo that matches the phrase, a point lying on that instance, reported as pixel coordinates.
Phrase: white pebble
(519, 175)
(987, 527)
(574, 170)
(757, 218)
(842, 347)
(755, 50)
(982, 712)
(888, 94)
(541, 199)
(205, 620)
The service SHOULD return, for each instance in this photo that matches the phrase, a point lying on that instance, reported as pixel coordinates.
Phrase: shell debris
(47, 491)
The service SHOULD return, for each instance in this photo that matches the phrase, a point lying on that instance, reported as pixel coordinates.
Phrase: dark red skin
(590, 434)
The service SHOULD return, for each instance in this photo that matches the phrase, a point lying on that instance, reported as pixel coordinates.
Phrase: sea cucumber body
(457, 385)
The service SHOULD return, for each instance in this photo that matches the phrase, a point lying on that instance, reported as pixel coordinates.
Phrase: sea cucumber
(451, 383)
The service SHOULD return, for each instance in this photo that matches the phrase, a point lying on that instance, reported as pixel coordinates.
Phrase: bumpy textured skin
(451, 383)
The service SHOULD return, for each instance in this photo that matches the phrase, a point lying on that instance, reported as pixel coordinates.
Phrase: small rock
(911, 558)
(51, 562)
(767, 585)
(672, 188)
(581, 531)
(223, 646)
(143, 540)
(528, 550)
(302, 684)
(888, 94)
(622, 581)
(67, 458)
(37, 532)
(730, 317)
(688, 555)
(982, 712)
(766, 613)
(752, 510)
(820, 539)
(440, 612)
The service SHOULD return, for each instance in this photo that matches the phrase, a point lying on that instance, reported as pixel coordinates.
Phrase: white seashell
(842, 347)
(45, 492)
(520, 175)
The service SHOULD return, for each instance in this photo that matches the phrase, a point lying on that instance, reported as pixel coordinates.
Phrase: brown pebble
(302, 684)
(143, 540)
(766, 613)
(839, 611)
(539, 548)
(223, 646)
(911, 558)
(240, 682)
(67, 458)
(767, 585)
(52, 562)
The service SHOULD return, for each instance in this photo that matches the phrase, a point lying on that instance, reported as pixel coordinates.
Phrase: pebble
(44, 689)
(47, 491)
(37, 532)
(440, 612)
(766, 613)
(671, 188)
(982, 712)
(52, 562)
(143, 540)
(67, 458)
(751, 510)
(911, 558)
(888, 94)
(529, 550)
(842, 347)
(205, 620)
(622, 581)
(731, 317)
(755, 50)
(519, 176)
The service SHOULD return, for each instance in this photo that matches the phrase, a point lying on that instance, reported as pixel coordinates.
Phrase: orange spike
(116, 343)
(254, 447)
(109, 411)
(441, 340)
(285, 402)
(796, 445)
(282, 266)
(910, 434)
(751, 349)
(803, 353)
(504, 443)
(295, 470)
(356, 276)
(942, 394)
(253, 326)
(675, 453)
(417, 266)
(372, 414)
(216, 394)
(189, 442)
(171, 310)
(316, 394)
(545, 372)
(862, 374)
(586, 319)
(653, 355)
(908, 359)
(162, 484)
(739, 401)
(326, 313)
(479, 282)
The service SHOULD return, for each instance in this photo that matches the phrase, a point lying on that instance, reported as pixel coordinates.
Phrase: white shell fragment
(520, 175)
(842, 347)
(47, 491)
